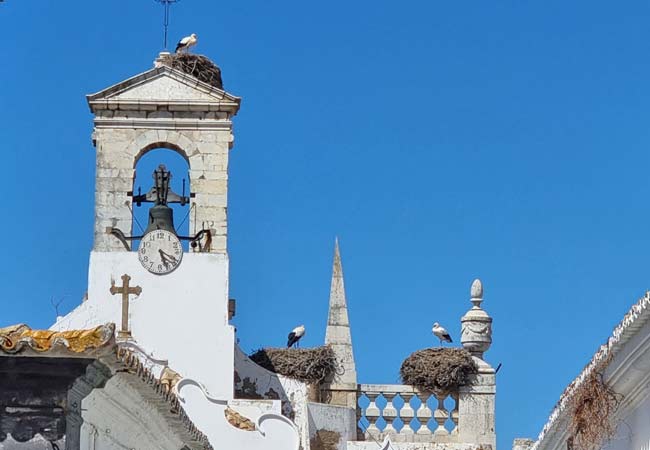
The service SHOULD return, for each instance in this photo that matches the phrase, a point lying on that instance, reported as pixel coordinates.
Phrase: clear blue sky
(441, 141)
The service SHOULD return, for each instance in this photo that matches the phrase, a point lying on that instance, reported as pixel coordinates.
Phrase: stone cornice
(169, 105)
(163, 124)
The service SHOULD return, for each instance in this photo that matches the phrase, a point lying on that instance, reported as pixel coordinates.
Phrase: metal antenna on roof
(166, 4)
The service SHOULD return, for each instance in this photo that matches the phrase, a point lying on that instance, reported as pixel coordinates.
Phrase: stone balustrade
(406, 414)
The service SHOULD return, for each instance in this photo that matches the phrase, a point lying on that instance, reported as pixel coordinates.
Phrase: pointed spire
(338, 314)
(344, 384)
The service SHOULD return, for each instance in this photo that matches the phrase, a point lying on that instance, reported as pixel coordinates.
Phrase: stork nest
(592, 409)
(311, 365)
(198, 66)
(438, 370)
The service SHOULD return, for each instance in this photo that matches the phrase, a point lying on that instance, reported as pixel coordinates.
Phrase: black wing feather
(292, 339)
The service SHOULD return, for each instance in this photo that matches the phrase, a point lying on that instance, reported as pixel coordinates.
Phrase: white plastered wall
(181, 317)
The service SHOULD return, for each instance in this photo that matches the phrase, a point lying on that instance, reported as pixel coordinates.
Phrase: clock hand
(166, 258)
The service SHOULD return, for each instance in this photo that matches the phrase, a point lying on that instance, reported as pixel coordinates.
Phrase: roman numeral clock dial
(160, 252)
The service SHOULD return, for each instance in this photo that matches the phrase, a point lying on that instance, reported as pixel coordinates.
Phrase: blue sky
(441, 141)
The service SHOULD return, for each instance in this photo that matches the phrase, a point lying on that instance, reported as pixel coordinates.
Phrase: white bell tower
(170, 315)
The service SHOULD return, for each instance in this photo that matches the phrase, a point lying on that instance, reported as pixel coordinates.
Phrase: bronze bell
(161, 217)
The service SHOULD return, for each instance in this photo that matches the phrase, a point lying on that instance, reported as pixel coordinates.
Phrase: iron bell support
(161, 216)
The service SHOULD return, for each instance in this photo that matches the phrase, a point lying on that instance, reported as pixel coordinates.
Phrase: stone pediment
(163, 86)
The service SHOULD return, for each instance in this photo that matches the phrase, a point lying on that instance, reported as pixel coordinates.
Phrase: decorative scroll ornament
(476, 324)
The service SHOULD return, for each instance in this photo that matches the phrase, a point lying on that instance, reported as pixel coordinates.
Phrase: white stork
(441, 333)
(185, 43)
(295, 335)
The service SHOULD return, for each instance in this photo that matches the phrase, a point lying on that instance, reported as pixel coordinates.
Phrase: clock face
(160, 252)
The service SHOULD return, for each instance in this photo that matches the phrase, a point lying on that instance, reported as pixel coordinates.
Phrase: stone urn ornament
(476, 324)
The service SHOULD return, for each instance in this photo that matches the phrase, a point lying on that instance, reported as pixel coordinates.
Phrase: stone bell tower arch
(162, 107)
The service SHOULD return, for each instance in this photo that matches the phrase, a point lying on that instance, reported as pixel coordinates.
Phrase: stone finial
(476, 324)
(477, 293)
(162, 56)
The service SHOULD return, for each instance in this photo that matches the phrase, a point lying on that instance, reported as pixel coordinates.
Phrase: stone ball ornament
(476, 324)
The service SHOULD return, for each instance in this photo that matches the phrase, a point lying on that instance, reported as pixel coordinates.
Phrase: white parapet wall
(254, 382)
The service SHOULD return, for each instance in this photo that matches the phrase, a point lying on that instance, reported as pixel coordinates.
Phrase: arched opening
(155, 159)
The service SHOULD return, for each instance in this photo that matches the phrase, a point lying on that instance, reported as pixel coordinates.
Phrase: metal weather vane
(166, 4)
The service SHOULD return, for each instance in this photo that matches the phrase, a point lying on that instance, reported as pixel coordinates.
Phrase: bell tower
(176, 298)
(163, 107)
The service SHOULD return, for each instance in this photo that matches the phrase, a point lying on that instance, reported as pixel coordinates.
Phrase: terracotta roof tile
(21, 338)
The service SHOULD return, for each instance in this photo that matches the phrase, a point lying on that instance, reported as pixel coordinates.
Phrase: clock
(160, 252)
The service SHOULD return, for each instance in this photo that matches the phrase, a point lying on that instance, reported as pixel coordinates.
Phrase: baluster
(454, 412)
(389, 413)
(360, 435)
(441, 415)
(372, 414)
(407, 413)
(423, 415)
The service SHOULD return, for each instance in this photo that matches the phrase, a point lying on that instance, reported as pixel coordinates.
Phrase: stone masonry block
(105, 198)
(216, 158)
(163, 135)
(208, 175)
(208, 137)
(112, 158)
(113, 184)
(218, 244)
(207, 147)
(210, 213)
(196, 115)
(197, 162)
(159, 115)
(227, 137)
(211, 199)
(186, 144)
(114, 173)
(110, 212)
(131, 114)
(210, 186)
(111, 135)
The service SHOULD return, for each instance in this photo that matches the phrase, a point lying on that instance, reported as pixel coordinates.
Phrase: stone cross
(125, 290)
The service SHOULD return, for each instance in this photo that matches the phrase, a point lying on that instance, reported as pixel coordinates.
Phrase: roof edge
(638, 314)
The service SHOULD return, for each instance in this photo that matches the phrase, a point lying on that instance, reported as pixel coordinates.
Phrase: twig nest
(311, 365)
(198, 66)
(438, 370)
(592, 410)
